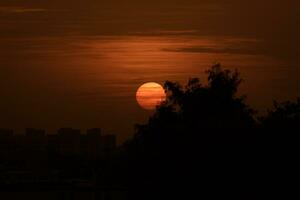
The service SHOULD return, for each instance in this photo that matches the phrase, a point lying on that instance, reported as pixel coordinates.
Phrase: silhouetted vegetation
(285, 116)
(203, 141)
(205, 136)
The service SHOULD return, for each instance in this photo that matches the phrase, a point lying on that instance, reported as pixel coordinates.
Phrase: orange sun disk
(150, 95)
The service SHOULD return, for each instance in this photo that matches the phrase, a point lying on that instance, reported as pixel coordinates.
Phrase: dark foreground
(202, 142)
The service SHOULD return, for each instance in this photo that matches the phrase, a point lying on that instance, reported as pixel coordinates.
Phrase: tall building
(35, 138)
(53, 144)
(92, 143)
(6, 143)
(108, 143)
(34, 148)
(69, 141)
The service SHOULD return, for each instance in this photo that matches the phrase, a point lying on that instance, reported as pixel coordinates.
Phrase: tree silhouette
(285, 116)
(195, 110)
(199, 131)
(207, 136)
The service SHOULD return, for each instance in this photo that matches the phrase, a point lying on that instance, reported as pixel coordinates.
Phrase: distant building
(34, 147)
(6, 142)
(94, 132)
(6, 132)
(69, 141)
(53, 144)
(35, 137)
(92, 143)
(108, 143)
(6, 135)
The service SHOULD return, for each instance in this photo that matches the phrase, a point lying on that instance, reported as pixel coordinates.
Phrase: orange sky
(77, 62)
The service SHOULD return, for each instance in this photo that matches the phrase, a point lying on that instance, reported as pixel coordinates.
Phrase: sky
(274, 21)
(72, 61)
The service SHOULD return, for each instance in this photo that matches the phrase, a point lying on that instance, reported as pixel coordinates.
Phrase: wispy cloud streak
(13, 9)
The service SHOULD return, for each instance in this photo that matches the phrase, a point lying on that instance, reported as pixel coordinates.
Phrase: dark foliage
(196, 111)
(205, 136)
(285, 115)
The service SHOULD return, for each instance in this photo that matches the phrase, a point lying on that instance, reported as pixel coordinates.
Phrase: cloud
(13, 9)
(225, 46)
(226, 50)
(274, 21)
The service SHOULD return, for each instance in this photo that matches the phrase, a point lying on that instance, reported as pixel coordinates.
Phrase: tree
(284, 116)
(207, 134)
(195, 107)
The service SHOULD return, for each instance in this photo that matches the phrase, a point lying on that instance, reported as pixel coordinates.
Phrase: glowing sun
(149, 95)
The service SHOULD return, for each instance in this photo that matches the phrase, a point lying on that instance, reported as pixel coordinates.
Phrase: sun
(150, 95)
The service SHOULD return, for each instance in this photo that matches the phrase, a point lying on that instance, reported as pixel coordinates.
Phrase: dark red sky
(271, 20)
(78, 63)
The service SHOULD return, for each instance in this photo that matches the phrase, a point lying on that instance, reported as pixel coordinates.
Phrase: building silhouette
(35, 139)
(6, 143)
(92, 143)
(69, 141)
(108, 143)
